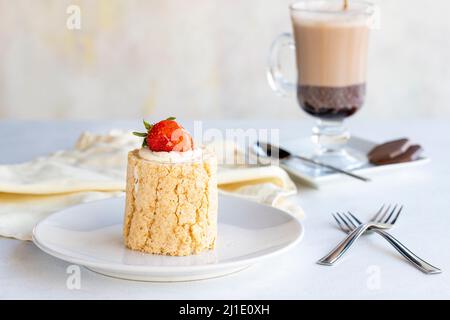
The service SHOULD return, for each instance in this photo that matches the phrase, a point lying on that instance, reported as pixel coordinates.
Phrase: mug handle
(277, 81)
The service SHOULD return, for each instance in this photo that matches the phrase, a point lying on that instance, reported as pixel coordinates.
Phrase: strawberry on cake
(171, 193)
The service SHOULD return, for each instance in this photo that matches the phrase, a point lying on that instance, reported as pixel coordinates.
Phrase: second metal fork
(348, 222)
(355, 233)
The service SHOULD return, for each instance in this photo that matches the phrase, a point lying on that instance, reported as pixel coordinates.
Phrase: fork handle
(343, 246)
(420, 264)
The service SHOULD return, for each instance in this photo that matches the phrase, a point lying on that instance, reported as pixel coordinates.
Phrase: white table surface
(373, 270)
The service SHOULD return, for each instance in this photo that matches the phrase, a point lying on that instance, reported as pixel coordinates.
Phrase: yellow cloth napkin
(95, 169)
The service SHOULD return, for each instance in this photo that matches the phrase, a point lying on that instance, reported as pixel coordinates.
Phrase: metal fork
(357, 232)
(348, 222)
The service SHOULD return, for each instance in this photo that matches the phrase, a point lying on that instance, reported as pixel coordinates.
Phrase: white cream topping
(170, 157)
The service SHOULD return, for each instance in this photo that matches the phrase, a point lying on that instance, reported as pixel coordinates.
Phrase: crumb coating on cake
(171, 208)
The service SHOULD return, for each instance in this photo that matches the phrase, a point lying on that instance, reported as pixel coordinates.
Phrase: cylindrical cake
(171, 208)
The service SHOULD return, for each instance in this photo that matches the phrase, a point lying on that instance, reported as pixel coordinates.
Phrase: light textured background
(199, 59)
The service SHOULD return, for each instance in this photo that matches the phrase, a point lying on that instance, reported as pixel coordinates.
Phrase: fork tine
(339, 223)
(397, 215)
(344, 225)
(390, 214)
(344, 221)
(378, 213)
(354, 218)
(349, 219)
(384, 214)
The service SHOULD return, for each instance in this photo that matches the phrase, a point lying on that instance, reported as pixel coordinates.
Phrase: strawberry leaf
(144, 143)
(147, 125)
(171, 118)
(140, 134)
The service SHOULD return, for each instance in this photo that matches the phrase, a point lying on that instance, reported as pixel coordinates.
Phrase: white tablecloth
(372, 270)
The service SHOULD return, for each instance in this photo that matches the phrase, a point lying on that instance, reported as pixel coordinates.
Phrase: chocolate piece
(387, 151)
(411, 154)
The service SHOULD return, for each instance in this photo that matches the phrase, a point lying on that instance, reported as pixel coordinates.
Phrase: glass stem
(330, 136)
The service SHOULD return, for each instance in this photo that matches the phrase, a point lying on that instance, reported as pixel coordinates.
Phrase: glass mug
(331, 45)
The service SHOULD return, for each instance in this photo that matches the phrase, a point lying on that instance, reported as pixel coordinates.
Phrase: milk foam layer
(171, 157)
(329, 10)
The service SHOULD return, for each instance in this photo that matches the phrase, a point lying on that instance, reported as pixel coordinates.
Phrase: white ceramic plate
(305, 173)
(91, 235)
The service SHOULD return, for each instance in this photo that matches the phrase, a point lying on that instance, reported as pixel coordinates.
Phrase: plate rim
(143, 269)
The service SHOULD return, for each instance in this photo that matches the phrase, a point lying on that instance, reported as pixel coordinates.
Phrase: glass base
(330, 138)
(343, 159)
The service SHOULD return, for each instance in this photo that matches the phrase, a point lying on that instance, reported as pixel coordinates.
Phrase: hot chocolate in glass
(331, 42)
